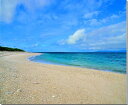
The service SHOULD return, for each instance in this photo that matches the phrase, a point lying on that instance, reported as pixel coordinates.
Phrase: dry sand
(26, 82)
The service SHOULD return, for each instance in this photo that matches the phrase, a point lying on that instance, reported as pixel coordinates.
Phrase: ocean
(105, 61)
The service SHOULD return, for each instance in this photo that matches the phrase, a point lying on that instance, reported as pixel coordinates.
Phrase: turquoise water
(107, 61)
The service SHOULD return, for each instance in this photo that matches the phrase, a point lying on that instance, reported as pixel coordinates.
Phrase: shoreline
(51, 63)
(24, 81)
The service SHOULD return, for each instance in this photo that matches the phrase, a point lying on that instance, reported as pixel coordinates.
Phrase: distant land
(123, 51)
(10, 49)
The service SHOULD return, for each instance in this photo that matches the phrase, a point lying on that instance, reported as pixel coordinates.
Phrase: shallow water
(107, 61)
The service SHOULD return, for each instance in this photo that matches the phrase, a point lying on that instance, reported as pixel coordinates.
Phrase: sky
(63, 25)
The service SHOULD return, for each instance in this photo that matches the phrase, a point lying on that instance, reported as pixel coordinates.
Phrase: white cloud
(79, 34)
(110, 41)
(91, 15)
(112, 37)
(113, 43)
(35, 45)
(96, 22)
(8, 7)
(108, 37)
(109, 18)
(111, 30)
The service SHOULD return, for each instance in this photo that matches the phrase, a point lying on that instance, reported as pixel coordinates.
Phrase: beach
(26, 82)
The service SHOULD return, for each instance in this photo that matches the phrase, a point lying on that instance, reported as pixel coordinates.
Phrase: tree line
(9, 49)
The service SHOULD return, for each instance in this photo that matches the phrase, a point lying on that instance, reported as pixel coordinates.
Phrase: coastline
(32, 58)
(24, 81)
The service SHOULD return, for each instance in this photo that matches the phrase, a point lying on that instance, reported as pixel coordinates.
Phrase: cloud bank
(110, 37)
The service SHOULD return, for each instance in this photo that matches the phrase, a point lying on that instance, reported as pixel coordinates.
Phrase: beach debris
(53, 96)
(19, 90)
(36, 83)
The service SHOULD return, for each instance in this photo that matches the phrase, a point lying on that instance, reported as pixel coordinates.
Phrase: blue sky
(63, 25)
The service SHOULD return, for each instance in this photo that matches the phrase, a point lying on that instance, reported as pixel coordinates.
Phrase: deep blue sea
(105, 61)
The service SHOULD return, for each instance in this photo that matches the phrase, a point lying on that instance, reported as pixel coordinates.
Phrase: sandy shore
(26, 82)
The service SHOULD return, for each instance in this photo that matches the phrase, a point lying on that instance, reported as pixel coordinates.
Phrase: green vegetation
(9, 49)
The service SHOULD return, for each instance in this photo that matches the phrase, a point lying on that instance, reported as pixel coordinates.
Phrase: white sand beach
(26, 82)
